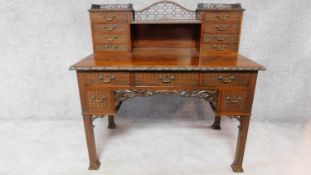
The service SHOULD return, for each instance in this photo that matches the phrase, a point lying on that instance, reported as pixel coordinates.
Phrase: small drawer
(166, 79)
(105, 78)
(221, 28)
(222, 17)
(226, 79)
(220, 38)
(110, 38)
(111, 48)
(235, 101)
(98, 101)
(109, 17)
(110, 28)
(219, 48)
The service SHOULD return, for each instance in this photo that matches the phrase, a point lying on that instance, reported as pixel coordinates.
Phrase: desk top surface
(165, 60)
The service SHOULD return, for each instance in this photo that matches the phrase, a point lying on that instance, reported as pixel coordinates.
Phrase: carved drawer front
(98, 101)
(220, 38)
(110, 38)
(226, 79)
(105, 78)
(235, 101)
(221, 28)
(166, 79)
(109, 17)
(110, 28)
(220, 48)
(222, 17)
(111, 47)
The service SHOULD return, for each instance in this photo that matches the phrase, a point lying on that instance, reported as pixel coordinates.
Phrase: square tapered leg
(240, 147)
(90, 140)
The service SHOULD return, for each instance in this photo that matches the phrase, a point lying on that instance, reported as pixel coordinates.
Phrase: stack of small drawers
(111, 29)
(220, 31)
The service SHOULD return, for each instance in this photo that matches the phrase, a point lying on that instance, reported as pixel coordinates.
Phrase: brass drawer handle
(166, 79)
(220, 38)
(113, 48)
(226, 79)
(109, 18)
(113, 38)
(223, 17)
(108, 80)
(234, 99)
(220, 48)
(100, 100)
(110, 28)
(221, 27)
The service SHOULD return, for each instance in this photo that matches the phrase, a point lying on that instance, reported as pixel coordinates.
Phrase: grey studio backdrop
(40, 39)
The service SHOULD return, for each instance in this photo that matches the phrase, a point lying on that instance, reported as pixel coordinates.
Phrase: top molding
(165, 4)
(111, 7)
(213, 6)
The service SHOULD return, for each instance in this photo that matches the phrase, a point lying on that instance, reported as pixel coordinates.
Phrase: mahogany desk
(145, 58)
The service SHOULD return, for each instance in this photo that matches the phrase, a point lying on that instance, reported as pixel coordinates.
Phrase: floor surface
(166, 142)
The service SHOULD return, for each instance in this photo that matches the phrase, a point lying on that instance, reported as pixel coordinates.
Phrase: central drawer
(166, 79)
(104, 78)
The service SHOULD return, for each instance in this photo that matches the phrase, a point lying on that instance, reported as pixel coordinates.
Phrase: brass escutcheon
(109, 78)
(166, 79)
(226, 79)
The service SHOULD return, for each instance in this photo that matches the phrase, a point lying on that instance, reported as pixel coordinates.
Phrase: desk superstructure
(167, 49)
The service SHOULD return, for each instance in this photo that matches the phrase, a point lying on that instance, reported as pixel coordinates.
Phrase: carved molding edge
(208, 95)
(88, 68)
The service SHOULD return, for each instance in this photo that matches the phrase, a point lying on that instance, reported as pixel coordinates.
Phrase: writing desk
(144, 58)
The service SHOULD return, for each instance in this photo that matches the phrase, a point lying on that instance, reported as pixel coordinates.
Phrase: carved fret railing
(207, 95)
(164, 10)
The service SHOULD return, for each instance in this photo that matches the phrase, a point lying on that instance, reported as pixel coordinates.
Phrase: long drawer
(109, 17)
(110, 28)
(104, 78)
(221, 28)
(216, 79)
(111, 48)
(110, 38)
(222, 17)
(220, 38)
(166, 79)
(219, 48)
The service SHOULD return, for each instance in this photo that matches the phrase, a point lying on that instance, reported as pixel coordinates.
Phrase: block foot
(216, 126)
(94, 165)
(237, 168)
(111, 122)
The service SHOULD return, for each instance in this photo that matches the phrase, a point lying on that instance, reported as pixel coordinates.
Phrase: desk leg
(240, 148)
(111, 123)
(89, 133)
(216, 124)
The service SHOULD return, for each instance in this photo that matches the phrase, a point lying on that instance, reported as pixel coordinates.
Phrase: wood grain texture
(191, 58)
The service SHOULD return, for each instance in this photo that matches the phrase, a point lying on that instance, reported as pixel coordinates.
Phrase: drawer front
(109, 17)
(220, 38)
(110, 28)
(110, 38)
(98, 101)
(226, 79)
(166, 79)
(221, 28)
(105, 78)
(235, 101)
(111, 48)
(220, 48)
(222, 17)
